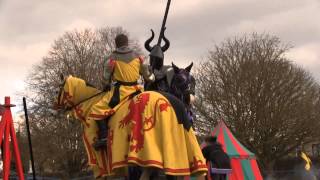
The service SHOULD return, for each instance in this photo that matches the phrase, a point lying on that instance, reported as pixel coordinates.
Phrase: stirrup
(100, 143)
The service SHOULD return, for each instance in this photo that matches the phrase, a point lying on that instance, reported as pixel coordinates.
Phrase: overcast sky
(29, 27)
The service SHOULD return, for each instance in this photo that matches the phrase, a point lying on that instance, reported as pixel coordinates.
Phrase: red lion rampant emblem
(136, 118)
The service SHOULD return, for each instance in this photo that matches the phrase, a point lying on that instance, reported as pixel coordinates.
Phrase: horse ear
(175, 68)
(189, 67)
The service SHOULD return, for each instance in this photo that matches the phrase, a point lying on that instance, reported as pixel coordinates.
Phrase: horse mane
(75, 87)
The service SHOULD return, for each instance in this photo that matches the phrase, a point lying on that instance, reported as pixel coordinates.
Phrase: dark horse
(178, 82)
(182, 86)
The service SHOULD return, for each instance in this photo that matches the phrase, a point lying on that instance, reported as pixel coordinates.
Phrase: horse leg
(200, 177)
(146, 173)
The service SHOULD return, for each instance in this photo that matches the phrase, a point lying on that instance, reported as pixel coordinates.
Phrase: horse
(148, 130)
(182, 86)
(176, 81)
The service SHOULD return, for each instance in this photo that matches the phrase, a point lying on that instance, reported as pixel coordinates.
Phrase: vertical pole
(6, 145)
(7, 154)
(2, 129)
(16, 151)
(29, 137)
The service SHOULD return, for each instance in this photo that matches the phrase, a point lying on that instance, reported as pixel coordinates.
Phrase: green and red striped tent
(243, 162)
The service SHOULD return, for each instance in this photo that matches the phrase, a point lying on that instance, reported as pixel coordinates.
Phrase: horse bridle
(179, 91)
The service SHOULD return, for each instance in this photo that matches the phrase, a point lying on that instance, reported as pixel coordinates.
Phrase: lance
(163, 26)
(156, 52)
(29, 137)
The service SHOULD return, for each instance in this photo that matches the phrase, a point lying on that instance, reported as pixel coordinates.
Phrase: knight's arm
(145, 71)
(108, 67)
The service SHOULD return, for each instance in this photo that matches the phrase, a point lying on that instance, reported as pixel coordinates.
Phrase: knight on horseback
(122, 69)
(123, 127)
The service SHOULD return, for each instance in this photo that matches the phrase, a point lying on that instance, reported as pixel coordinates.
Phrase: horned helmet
(157, 52)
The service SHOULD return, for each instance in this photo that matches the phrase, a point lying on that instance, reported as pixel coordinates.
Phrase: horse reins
(70, 108)
(75, 105)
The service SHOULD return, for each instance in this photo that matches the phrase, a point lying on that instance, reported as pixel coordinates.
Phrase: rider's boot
(101, 142)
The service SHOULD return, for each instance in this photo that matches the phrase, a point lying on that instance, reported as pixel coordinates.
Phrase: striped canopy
(243, 162)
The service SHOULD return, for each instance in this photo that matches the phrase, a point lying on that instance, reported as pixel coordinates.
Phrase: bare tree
(269, 103)
(57, 140)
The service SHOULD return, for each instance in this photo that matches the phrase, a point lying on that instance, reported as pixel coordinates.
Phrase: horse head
(183, 84)
(73, 91)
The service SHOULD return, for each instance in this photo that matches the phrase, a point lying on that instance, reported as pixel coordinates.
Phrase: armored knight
(163, 73)
(123, 69)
